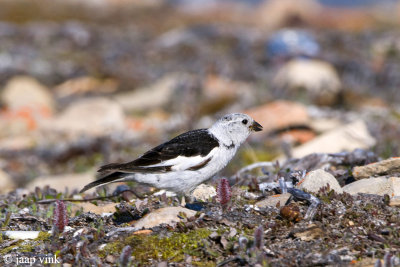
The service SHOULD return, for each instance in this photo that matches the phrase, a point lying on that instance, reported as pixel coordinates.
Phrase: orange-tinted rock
(27, 104)
(25, 92)
(298, 135)
(279, 114)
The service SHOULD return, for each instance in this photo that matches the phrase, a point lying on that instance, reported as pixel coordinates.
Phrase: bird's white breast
(184, 180)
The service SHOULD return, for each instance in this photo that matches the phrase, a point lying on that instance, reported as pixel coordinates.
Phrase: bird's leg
(180, 198)
(183, 200)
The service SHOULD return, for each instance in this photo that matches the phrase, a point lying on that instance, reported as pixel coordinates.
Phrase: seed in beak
(256, 127)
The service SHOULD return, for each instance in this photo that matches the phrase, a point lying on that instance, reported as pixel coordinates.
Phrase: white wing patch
(182, 163)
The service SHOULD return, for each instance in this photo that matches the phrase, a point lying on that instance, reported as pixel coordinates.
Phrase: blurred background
(83, 84)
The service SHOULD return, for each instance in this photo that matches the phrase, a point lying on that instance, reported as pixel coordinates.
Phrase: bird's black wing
(190, 144)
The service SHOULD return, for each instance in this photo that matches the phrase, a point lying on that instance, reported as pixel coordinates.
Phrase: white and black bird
(185, 161)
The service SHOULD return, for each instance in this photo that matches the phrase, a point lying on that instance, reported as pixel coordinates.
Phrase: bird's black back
(189, 144)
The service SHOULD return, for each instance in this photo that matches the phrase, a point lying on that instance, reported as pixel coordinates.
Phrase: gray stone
(97, 116)
(310, 233)
(379, 186)
(24, 91)
(153, 96)
(168, 215)
(204, 192)
(272, 201)
(318, 78)
(346, 138)
(388, 166)
(317, 179)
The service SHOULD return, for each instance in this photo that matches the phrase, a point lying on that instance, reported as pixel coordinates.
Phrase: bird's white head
(234, 128)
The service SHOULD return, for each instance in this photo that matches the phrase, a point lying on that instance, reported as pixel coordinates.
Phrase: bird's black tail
(107, 178)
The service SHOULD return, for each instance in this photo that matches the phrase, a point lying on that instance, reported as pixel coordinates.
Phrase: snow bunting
(185, 161)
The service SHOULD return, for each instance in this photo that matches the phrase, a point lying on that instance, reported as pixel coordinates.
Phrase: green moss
(172, 248)
(251, 155)
(369, 207)
(20, 246)
(396, 115)
(325, 199)
(8, 249)
(203, 263)
(43, 236)
(27, 245)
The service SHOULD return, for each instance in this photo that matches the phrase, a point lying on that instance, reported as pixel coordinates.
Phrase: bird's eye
(244, 121)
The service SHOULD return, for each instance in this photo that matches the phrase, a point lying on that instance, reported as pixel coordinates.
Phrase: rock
(319, 80)
(110, 259)
(346, 138)
(13, 125)
(167, 193)
(300, 136)
(292, 43)
(162, 264)
(394, 201)
(7, 183)
(150, 97)
(24, 91)
(89, 207)
(378, 186)
(97, 116)
(310, 233)
(322, 125)
(61, 182)
(279, 114)
(204, 192)
(167, 215)
(17, 143)
(384, 167)
(28, 104)
(84, 85)
(272, 201)
(22, 234)
(317, 179)
(20, 121)
(143, 232)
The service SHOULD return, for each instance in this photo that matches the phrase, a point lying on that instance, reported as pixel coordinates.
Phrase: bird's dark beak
(256, 127)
